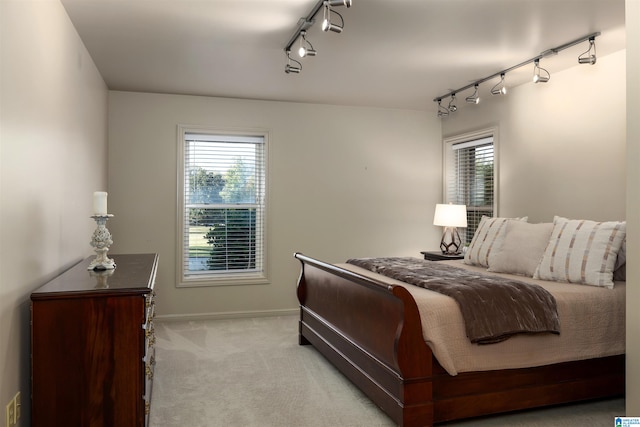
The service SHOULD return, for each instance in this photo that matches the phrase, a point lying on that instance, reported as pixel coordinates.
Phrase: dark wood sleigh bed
(371, 332)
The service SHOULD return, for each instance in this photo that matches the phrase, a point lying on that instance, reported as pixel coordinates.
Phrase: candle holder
(101, 240)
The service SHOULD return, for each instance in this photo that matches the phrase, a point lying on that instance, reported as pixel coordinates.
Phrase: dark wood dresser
(92, 341)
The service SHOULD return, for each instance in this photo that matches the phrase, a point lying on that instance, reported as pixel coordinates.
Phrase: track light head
(327, 25)
(474, 98)
(589, 57)
(306, 48)
(335, 3)
(307, 52)
(452, 106)
(442, 111)
(292, 68)
(540, 75)
(502, 90)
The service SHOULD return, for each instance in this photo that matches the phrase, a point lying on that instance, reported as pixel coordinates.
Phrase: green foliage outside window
(231, 234)
(232, 239)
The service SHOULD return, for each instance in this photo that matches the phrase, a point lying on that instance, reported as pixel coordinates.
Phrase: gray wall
(53, 155)
(342, 181)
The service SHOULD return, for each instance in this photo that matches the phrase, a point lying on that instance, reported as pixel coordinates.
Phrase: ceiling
(391, 54)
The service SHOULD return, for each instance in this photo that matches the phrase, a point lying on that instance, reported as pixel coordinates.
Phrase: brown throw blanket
(494, 308)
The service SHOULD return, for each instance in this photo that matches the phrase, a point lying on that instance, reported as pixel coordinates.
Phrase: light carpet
(252, 372)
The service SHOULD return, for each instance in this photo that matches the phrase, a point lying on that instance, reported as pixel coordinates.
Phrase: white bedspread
(592, 324)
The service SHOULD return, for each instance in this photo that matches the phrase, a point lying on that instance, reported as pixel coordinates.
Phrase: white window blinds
(469, 179)
(223, 195)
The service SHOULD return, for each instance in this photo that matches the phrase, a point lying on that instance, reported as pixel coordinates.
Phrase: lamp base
(451, 244)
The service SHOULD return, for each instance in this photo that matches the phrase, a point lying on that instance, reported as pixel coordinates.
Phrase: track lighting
(306, 48)
(540, 75)
(588, 57)
(304, 23)
(442, 111)
(292, 68)
(327, 25)
(499, 90)
(474, 98)
(452, 107)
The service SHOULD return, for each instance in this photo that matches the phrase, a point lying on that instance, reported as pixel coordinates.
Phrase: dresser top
(134, 274)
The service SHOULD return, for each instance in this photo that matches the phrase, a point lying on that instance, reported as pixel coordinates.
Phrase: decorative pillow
(582, 251)
(620, 269)
(522, 248)
(488, 237)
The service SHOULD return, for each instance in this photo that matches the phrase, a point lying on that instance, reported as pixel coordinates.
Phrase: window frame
(447, 150)
(184, 280)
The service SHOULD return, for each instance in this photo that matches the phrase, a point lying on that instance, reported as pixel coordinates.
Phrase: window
(469, 178)
(222, 208)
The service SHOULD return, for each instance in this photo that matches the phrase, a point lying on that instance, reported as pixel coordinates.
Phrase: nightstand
(439, 256)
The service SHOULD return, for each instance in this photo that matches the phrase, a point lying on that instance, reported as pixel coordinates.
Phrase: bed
(371, 328)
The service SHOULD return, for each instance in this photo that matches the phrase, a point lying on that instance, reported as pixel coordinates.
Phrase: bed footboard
(371, 332)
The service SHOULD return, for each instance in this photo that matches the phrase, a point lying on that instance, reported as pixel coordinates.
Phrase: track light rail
(546, 53)
(304, 24)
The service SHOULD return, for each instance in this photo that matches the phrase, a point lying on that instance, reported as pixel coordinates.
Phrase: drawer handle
(148, 372)
(149, 331)
(150, 299)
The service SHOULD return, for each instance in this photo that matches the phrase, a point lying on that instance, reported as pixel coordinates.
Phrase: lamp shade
(450, 215)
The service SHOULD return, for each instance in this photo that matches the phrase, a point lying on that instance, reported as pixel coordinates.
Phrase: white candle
(100, 203)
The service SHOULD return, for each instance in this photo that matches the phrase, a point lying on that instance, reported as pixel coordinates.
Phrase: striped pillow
(487, 238)
(582, 251)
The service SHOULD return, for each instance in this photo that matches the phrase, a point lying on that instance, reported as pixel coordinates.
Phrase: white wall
(562, 144)
(53, 147)
(343, 182)
(633, 207)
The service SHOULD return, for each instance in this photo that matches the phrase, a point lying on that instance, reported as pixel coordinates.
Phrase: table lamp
(450, 216)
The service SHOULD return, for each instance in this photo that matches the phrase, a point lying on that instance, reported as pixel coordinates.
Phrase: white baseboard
(225, 315)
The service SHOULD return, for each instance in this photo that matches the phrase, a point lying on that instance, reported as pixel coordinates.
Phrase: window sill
(225, 280)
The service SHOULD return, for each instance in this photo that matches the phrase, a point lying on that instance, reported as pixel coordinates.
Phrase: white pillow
(582, 251)
(522, 248)
(620, 269)
(488, 237)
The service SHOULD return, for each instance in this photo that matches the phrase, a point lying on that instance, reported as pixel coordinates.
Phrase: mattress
(592, 325)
